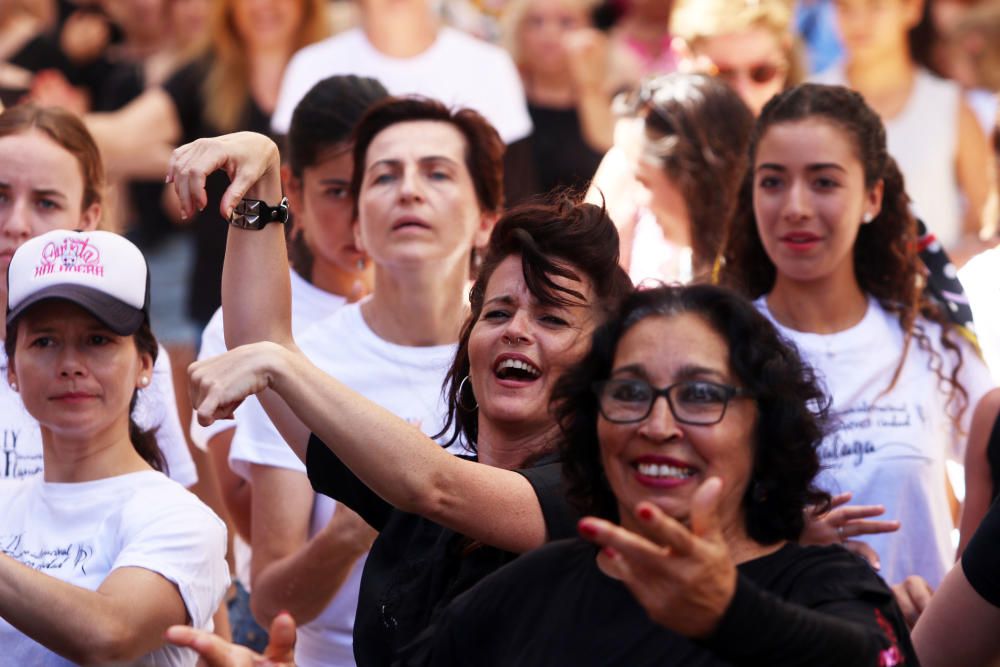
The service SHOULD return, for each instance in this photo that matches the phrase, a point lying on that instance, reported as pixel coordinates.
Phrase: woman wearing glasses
(709, 487)
(748, 44)
(824, 240)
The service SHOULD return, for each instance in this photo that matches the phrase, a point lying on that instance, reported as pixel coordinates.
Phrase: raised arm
(122, 620)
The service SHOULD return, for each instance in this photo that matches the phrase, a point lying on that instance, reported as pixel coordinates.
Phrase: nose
(71, 363)
(517, 331)
(410, 187)
(660, 424)
(798, 204)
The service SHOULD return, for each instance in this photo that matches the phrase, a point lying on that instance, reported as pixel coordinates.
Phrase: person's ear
(487, 221)
(90, 218)
(144, 374)
(873, 204)
(913, 11)
(292, 186)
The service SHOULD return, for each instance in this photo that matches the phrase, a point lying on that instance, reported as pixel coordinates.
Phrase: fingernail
(610, 552)
(645, 513)
(588, 530)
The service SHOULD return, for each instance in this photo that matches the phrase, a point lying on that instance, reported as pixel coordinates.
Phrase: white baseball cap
(102, 272)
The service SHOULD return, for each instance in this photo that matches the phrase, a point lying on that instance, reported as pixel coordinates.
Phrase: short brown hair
(483, 153)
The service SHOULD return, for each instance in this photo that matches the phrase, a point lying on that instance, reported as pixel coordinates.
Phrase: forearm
(84, 626)
(597, 122)
(304, 582)
(256, 291)
(760, 628)
(136, 141)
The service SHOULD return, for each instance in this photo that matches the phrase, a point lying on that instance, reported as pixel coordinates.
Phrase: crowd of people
(337, 333)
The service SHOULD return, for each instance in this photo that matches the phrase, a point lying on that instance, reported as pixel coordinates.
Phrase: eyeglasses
(760, 73)
(693, 402)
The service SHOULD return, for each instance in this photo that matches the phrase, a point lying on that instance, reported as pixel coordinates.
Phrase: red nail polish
(610, 552)
(645, 513)
(588, 530)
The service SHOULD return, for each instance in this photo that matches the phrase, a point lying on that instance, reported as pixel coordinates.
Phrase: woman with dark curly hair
(709, 488)
(824, 240)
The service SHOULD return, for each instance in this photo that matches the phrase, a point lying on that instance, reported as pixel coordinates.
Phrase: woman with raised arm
(102, 552)
(549, 274)
(824, 241)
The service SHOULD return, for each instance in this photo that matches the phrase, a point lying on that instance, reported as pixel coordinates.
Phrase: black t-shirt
(812, 606)
(185, 90)
(982, 555)
(562, 157)
(416, 567)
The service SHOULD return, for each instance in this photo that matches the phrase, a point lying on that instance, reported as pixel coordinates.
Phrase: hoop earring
(458, 397)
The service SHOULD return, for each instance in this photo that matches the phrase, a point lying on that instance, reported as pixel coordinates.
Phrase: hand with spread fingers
(841, 522)
(217, 652)
(250, 160)
(218, 385)
(684, 578)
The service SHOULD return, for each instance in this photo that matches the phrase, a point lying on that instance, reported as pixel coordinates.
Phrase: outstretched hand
(842, 522)
(683, 578)
(248, 158)
(218, 385)
(217, 652)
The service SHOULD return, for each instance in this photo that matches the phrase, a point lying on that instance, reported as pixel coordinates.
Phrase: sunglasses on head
(759, 73)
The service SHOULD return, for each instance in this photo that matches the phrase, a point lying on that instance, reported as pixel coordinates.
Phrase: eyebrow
(817, 166)
(686, 372)
(44, 192)
(334, 181)
(395, 162)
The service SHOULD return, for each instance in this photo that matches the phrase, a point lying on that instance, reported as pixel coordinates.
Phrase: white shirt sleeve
(186, 544)
(258, 441)
(156, 408)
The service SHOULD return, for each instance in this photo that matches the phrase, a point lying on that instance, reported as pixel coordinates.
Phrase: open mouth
(516, 369)
(663, 471)
(800, 238)
(410, 223)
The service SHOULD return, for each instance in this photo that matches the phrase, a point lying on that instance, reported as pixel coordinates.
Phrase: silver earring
(866, 218)
(13, 385)
(458, 397)
(361, 264)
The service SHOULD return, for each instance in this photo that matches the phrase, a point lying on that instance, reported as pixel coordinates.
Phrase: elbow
(116, 643)
(428, 499)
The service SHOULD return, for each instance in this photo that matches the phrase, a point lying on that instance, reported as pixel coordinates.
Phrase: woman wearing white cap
(100, 554)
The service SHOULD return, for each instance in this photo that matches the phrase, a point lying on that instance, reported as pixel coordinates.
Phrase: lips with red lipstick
(800, 240)
(662, 471)
(515, 369)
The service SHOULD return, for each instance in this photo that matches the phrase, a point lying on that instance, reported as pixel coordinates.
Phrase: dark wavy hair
(698, 128)
(563, 238)
(886, 261)
(791, 408)
(144, 441)
(484, 147)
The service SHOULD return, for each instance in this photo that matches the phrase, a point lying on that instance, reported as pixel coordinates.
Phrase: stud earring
(143, 381)
(13, 385)
(866, 218)
(361, 264)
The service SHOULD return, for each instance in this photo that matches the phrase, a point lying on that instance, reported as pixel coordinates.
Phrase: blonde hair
(226, 87)
(513, 16)
(695, 20)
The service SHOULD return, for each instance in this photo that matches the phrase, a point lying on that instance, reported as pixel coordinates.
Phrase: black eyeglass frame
(730, 392)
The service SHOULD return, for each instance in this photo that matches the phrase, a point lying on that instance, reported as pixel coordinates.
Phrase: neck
(266, 70)
(405, 31)
(889, 72)
(351, 285)
(821, 307)
(420, 307)
(552, 90)
(88, 457)
(512, 446)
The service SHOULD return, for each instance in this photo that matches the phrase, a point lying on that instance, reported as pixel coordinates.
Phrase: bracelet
(255, 214)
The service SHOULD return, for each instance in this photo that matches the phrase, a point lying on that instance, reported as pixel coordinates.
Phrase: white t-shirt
(457, 69)
(404, 380)
(310, 304)
(81, 532)
(890, 449)
(156, 408)
(981, 279)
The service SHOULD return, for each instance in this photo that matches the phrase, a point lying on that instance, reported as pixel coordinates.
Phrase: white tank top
(923, 138)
